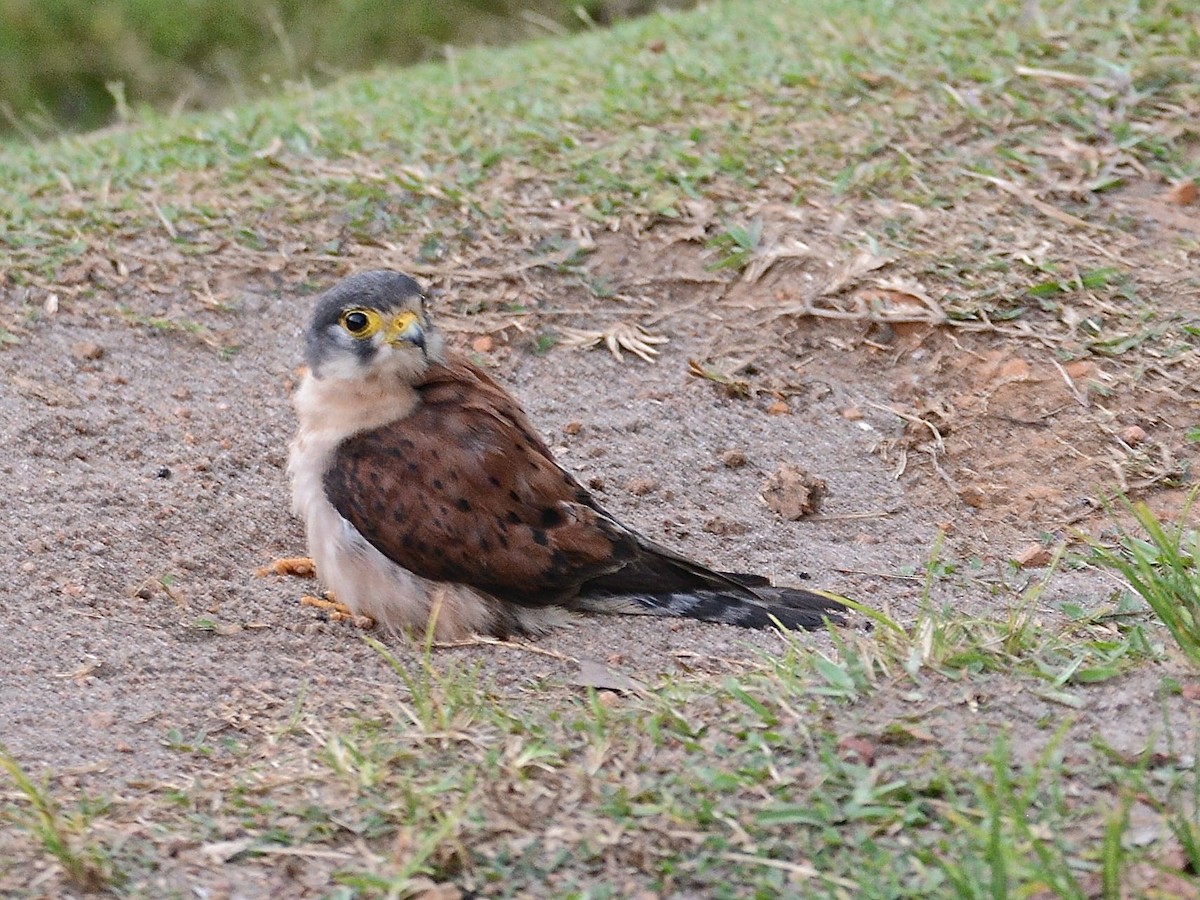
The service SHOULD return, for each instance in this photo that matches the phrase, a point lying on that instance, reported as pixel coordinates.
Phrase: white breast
(360, 576)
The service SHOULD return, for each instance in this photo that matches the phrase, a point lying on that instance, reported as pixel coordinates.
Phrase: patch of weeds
(1164, 568)
(849, 792)
(1094, 280)
(599, 287)
(736, 245)
(1122, 343)
(197, 745)
(442, 702)
(948, 642)
(167, 325)
(418, 857)
(1186, 829)
(161, 323)
(413, 775)
(1012, 833)
(1088, 647)
(85, 866)
(851, 675)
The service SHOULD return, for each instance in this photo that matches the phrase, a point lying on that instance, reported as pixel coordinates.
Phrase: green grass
(719, 98)
(143, 52)
(766, 801)
(805, 773)
(841, 98)
(57, 835)
(1163, 567)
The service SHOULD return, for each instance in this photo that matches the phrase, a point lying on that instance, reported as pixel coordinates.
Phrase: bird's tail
(759, 606)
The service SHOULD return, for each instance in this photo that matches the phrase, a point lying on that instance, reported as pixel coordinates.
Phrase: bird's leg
(337, 611)
(303, 567)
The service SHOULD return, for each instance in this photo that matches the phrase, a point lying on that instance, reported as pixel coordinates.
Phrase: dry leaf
(222, 852)
(853, 270)
(1185, 193)
(1033, 556)
(597, 675)
(793, 493)
(766, 257)
(856, 749)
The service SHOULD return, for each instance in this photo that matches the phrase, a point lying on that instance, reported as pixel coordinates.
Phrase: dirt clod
(720, 525)
(973, 495)
(1185, 193)
(857, 749)
(87, 350)
(733, 459)
(640, 487)
(1033, 556)
(793, 492)
(1133, 435)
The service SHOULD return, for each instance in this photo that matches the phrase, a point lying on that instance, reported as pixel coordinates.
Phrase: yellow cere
(400, 324)
(361, 323)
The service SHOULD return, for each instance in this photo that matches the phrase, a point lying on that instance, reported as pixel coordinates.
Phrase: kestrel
(430, 501)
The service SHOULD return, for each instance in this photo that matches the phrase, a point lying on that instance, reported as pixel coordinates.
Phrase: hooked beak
(405, 328)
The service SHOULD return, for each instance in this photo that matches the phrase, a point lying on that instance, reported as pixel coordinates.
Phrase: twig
(1070, 383)
(1055, 75)
(801, 869)
(484, 641)
(877, 574)
(1028, 198)
(165, 221)
(845, 517)
(916, 420)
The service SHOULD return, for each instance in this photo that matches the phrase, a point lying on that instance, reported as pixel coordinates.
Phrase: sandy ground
(148, 487)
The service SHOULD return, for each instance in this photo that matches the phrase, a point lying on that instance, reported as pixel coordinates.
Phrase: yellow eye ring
(360, 323)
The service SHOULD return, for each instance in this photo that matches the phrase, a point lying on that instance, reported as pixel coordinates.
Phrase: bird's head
(373, 323)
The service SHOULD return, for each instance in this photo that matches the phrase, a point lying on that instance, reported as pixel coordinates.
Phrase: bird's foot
(337, 612)
(296, 566)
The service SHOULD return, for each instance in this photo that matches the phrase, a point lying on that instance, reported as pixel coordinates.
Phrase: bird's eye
(360, 322)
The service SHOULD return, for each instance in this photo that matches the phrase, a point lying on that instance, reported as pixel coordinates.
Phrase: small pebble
(1033, 556)
(639, 487)
(86, 350)
(1133, 435)
(733, 459)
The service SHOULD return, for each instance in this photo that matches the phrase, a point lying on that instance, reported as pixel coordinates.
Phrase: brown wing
(464, 490)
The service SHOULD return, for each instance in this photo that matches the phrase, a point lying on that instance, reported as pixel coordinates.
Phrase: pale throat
(338, 408)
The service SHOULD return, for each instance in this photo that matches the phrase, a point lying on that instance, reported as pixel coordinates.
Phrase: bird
(431, 505)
